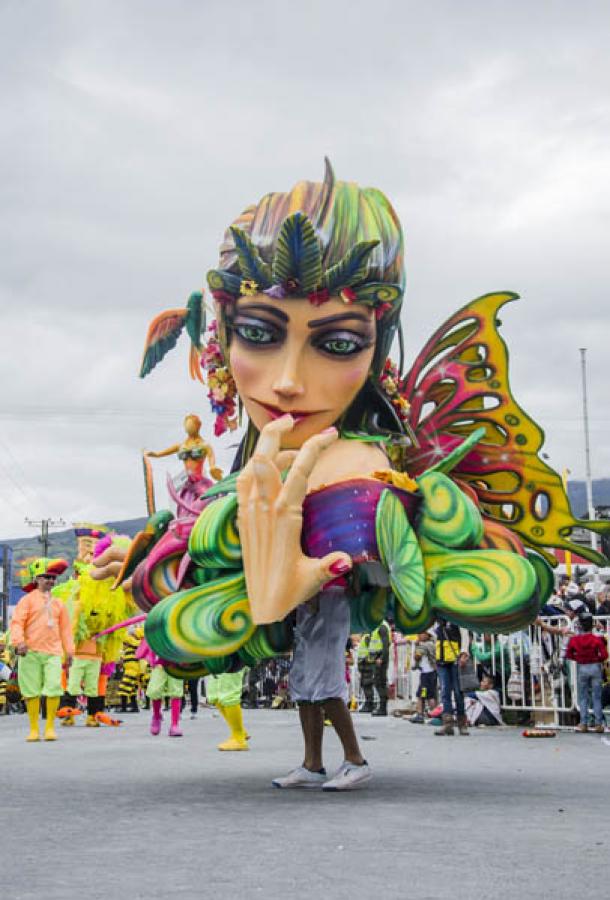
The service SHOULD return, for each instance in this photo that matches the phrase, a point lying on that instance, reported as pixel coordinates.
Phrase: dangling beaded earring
(222, 391)
(391, 384)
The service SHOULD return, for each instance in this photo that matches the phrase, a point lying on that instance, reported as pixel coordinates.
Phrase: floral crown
(296, 270)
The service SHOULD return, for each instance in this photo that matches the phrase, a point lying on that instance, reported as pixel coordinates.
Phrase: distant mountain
(63, 543)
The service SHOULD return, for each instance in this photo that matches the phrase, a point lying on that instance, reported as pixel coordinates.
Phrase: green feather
(195, 318)
(219, 280)
(352, 268)
(297, 254)
(251, 264)
(155, 353)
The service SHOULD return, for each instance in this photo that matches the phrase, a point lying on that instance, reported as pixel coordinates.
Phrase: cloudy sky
(133, 132)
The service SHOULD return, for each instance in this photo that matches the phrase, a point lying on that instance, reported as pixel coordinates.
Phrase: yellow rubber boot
(234, 719)
(223, 712)
(69, 720)
(33, 708)
(49, 729)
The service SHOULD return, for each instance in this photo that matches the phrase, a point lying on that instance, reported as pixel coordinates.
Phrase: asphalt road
(111, 813)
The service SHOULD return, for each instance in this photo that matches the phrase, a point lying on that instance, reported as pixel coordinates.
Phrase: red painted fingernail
(340, 567)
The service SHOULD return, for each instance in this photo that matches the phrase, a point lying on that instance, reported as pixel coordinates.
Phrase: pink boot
(157, 717)
(176, 704)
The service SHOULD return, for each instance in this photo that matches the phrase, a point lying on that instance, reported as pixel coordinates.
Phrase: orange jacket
(42, 622)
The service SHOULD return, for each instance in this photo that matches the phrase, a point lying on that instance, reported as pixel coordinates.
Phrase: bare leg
(312, 724)
(339, 715)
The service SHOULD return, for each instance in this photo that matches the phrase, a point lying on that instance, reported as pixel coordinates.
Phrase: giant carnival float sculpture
(423, 490)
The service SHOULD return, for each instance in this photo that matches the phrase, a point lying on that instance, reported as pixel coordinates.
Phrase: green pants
(224, 690)
(39, 674)
(163, 685)
(84, 677)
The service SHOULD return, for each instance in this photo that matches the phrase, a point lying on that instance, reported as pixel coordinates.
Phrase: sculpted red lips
(297, 414)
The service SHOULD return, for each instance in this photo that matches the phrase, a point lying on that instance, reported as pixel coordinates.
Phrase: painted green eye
(342, 345)
(255, 334)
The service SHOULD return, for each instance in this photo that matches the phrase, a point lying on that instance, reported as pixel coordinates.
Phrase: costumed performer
(224, 692)
(110, 607)
(94, 607)
(84, 679)
(161, 685)
(41, 633)
(358, 488)
(130, 682)
(6, 672)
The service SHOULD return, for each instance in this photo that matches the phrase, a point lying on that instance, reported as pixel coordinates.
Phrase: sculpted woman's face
(288, 356)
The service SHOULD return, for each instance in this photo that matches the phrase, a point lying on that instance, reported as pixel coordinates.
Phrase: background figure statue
(194, 451)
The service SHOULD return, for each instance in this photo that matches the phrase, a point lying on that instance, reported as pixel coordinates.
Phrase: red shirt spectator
(587, 648)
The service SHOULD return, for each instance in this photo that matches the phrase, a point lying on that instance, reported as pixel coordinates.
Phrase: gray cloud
(133, 133)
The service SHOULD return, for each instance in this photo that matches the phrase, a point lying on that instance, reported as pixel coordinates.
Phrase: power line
(18, 468)
(44, 525)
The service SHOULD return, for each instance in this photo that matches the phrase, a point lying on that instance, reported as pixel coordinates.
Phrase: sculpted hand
(279, 576)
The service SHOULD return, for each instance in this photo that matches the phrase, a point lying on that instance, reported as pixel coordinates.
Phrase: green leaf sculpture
(400, 554)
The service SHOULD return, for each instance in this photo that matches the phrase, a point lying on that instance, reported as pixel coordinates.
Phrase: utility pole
(568, 555)
(585, 416)
(44, 525)
(589, 482)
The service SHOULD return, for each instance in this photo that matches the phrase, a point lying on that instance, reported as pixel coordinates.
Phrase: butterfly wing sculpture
(459, 383)
(166, 328)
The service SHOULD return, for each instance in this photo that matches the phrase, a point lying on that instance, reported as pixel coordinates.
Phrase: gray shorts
(320, 637)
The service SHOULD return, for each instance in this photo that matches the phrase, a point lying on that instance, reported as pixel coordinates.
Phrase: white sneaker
(301, 778)
(193, 715)
(349, 777)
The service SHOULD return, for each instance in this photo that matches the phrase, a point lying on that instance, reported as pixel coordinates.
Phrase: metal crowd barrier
(529, 666)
